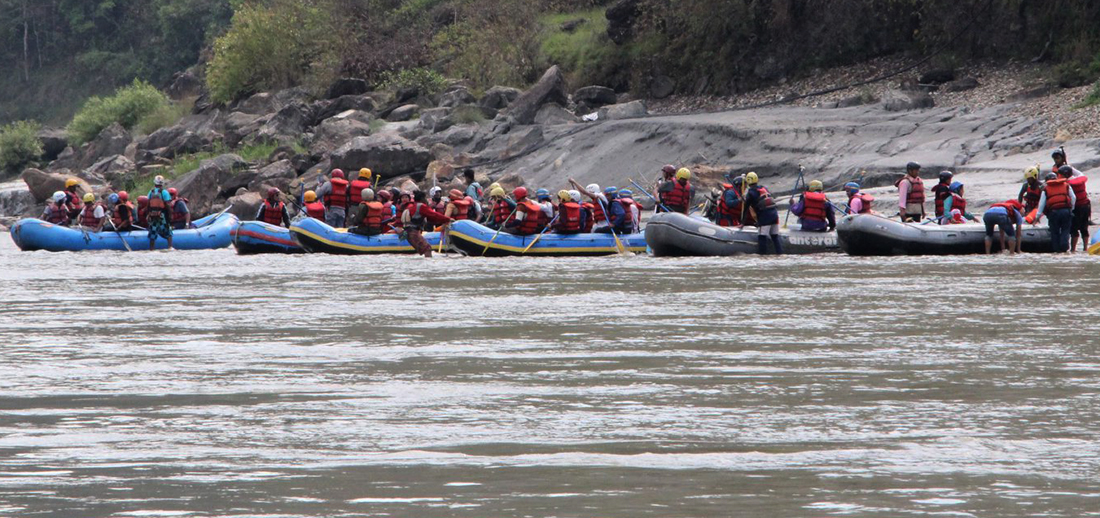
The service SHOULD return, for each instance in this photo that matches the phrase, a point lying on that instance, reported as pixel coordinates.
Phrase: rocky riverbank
(546, 134)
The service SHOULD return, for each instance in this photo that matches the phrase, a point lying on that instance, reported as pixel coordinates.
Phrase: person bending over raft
(93, 216)
(1009, 216)
(858, 202)
(1056, 203)
(371, 215)
(160, 223)
(313, 207)
(956, 202)
(417, 216)
(911, 194)
(273, 210)
(941, 192)
(528, 217)
(571, 216)
(1031, 190)
(814, 211)
(762, 207)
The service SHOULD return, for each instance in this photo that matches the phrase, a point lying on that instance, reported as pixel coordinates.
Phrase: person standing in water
(159, 220)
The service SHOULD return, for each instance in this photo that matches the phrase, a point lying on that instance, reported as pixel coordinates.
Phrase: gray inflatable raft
(867, 234)
(673, 234)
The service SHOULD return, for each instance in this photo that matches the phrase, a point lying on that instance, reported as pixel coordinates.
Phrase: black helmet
(912, 165)
(1066, 171)
(946, 175)
(1058, 153)
(1049, 177)
(738, 181)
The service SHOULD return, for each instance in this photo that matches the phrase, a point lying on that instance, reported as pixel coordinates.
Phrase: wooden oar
(607, 214)
(801, 179)
(538, 237)
(502, 223)
(124, 243)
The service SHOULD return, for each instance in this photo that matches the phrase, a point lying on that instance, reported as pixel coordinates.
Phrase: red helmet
(123, 195)
(272, 192)
(669, 169)
(173, 191)
(143, 201)
(455, 194)
(336, 173)
(519, 192)
(385, 195)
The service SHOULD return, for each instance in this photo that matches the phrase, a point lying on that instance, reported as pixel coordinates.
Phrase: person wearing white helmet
(158, 219)
(435, 199)
(597, 208)
(56, 211)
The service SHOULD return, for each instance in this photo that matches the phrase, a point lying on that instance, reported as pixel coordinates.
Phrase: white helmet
(367, 194)
(58, 197)
(576, 195)
(593, 188)
(433, 190)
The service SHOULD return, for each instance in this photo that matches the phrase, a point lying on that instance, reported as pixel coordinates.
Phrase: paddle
(218, 215)
(538, 237)
(124, 243)
(800, 180)
(502, 223)
(618, 244)
(655, 200)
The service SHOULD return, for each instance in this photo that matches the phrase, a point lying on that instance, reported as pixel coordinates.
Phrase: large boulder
(286, 126)
(277, 174)
(203, 185)
(549, 89)
(456, 97)
(53, 141)
(403, 113)
(552, 114)
(245, 205)
(16, 201)
(346, 86)
(42, 185)
(185, 84)
(340, 105)
(630, 110)
(387, 154)
(111, 141)
(898, 100)
(435, 119)
(518, 142)
(115, 170)
(661, 87)
(499, 97)
(595, 96)
(335, 131)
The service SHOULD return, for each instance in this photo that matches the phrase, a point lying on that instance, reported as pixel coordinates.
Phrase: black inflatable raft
(671, 234)
(866, 234)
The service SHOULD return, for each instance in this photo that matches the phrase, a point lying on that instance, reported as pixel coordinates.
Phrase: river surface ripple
(207, 384)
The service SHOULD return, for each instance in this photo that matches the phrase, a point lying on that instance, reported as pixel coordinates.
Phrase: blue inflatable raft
(34, 234)
(475, 239)
(316, 236)
(257, 237)
(1094, 245)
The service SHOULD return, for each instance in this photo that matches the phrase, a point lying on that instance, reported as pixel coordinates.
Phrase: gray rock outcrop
(388, 155)
(550, 88)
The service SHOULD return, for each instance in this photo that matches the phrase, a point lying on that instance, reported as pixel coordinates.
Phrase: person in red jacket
(528, 214)
(417, 216)
(1082, 208)
(273, 210)
(314, 208)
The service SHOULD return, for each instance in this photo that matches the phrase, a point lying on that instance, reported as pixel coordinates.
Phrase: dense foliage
(19, 146)
(128, 106)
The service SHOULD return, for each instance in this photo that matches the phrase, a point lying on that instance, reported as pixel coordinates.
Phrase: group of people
(160, 211)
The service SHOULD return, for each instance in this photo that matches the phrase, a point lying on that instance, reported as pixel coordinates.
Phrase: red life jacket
(157, 205)
(462, 209)
(532, 218)
(916, 190)
(273, 213)
(679, 197)
(1057, 194)
(1078, 186)
(142, 216)
(57, 214)
(591, 220)
(813, 206)
(355, 195)
(501, 211)
(728, 215)
(116, 215)
(598, 215)
(372, 216)
(628, 204)
(1032, 196)
(1011, 207)
(438, 206)
(316, 210)
(765, 201)
(177, 216)
(569, 217)
(942, 192)
(958, 202)
(339, 195)
(87, 215)
(865, 199)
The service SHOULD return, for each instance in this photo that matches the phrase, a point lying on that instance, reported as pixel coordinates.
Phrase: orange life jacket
(118, 220)
(532, 218)
(157, 205)
(355, 195)
(865, 200)
(1057, 194)
(316, 210)
(1078, 186)
(679, 197)
(813, 206)
(273, 213)
(462, 209)
(177, 216)
(87, 215)
(569, 217)
(372, 216)
(501, 211)
(916, 189)
(339, 195)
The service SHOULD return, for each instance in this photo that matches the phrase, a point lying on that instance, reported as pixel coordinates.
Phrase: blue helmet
(625, 193)
(542, 193)
(956, 187)
(851, 186)
(610, 192)
(113, 198)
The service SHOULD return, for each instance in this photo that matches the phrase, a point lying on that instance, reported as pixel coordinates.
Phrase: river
(207, 384)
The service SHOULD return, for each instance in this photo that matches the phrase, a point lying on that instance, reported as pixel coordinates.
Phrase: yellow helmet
(496, 192)
(816, 186)
(564, 195)
(493, 186)
(751, 178)
(71, 182)
(1032, 172)
(365, 173)
(683, 174)
(89, 198)
(310, 196)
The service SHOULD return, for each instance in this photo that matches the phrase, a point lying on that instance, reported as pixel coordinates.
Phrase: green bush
(428, 81)
(127, 106)
(163, 117)
(468, 115)
(19, 145)
(585, 54)
(494, 42)
(272, 45)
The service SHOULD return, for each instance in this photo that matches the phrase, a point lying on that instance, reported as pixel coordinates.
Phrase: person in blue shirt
(159, 217)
